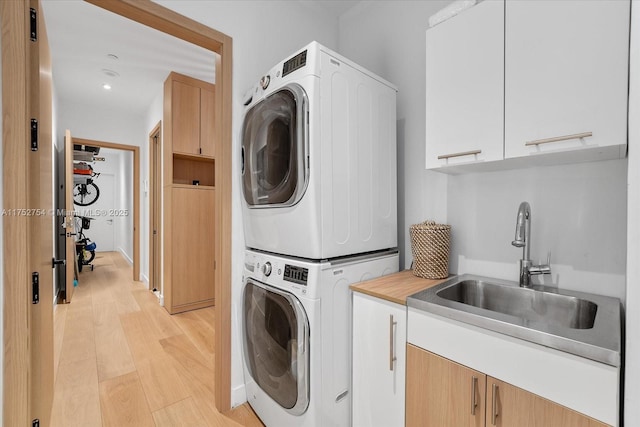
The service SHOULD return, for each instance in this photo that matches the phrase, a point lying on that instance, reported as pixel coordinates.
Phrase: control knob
(266, 268)
(264, 81)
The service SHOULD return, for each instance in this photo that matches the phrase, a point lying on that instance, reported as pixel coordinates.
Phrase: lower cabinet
(441, 392)
(379, 337)
(189, 256)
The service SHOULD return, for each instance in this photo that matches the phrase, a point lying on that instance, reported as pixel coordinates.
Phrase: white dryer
(319, 158)
(297, 336)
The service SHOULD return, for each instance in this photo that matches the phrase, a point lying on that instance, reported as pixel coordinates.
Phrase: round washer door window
(276, 340)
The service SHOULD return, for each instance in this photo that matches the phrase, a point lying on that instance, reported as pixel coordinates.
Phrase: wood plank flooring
(122, 360)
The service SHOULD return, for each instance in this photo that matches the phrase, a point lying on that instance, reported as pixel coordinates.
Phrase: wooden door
(192, 255)
(207, 122)
(155, 198)
(70, 228)
(442, 393)
(40, 215)
(185, 111)
(510, 406)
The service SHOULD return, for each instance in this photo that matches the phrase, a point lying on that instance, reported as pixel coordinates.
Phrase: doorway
(114, 214)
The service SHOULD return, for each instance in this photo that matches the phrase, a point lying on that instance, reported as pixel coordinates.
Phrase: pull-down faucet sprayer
(523, 240)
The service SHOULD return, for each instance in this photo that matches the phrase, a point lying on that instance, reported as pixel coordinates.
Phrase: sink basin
(579, 323)
(528, 304)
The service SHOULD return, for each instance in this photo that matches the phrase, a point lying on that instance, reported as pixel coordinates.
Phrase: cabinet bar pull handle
(559, 138)
(494, 403)
(392, 357)
(474, 402)
(463, 153)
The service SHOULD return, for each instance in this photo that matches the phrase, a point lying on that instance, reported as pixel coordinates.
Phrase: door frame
(136, 194)
(155, 207)
(14, 16)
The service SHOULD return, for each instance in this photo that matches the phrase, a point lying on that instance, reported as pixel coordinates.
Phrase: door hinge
(33, 27)
(35, 288)
(34, 135)
(35, 423)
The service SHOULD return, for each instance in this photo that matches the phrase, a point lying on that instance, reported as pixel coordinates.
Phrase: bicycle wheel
(88, 257)
(85, 194)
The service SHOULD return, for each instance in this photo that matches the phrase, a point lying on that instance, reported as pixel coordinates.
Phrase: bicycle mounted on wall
(85, 190)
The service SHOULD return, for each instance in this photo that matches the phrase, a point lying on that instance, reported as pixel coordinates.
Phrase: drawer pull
(494, 403)
(474, 402)
(392, 356)
(559, 138)
(463, 153)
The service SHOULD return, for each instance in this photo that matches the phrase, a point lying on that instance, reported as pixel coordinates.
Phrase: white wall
(264, 33)
(388, 37)
(124, 203)
(632, 374)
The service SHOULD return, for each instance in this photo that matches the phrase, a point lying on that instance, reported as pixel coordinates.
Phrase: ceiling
(81, 38)
(84, 39)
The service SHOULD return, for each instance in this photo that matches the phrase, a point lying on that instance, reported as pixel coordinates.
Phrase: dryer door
(274, 149)
(276, 345)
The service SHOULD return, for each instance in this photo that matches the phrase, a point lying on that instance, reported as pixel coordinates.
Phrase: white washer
(297, 336)
(319, 158)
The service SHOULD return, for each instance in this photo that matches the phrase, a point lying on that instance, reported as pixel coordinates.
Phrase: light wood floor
(122, 360)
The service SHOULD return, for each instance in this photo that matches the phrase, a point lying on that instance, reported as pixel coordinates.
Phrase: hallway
(122, 360)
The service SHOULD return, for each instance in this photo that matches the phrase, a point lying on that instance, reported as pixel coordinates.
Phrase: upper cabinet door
(207, 122)
(185, 110)
(566, 72)
(465, 87)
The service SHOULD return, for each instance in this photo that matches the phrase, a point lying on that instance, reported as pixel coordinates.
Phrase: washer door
(274, 149)
(276, 345)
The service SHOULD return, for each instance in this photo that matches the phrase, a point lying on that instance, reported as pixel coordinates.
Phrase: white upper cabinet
(566, 76)
(465, 87)
(529, 82)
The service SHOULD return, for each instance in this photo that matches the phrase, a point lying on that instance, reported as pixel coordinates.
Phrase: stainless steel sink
(583, 324)
(528, 304)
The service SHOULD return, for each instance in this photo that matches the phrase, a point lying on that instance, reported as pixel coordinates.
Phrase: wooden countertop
(395, 287)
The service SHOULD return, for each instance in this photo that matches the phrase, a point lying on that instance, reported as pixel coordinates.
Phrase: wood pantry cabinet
(441, 392)
(379, 337)
(189, 193)
(192, 122)
(561, 66)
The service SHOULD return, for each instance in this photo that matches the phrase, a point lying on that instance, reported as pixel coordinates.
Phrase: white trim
(126, 256)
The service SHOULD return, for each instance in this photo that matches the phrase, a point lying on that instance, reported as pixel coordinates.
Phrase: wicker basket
(430, 247)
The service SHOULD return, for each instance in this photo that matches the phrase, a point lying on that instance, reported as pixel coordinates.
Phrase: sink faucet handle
(549, 259)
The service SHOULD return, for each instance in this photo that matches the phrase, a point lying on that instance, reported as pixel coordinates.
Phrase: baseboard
(238, 395)
(145, 279)
(126, 256)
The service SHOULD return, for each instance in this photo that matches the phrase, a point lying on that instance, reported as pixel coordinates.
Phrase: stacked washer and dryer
(319, 214)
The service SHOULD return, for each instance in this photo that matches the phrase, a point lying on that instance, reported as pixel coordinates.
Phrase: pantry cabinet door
(465, 87)
(566, 66)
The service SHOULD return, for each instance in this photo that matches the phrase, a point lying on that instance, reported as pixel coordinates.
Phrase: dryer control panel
(296, 274)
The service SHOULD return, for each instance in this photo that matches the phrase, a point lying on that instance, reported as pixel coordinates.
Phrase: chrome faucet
(523, 240)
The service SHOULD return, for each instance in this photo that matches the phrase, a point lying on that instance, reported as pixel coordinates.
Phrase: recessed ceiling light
(110, 73)
(112, 56)
(106, 86)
